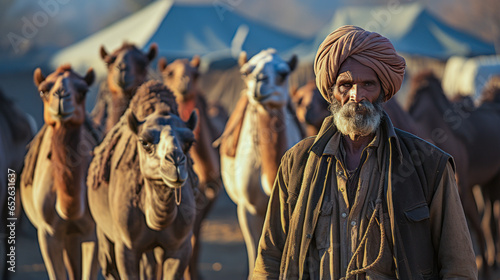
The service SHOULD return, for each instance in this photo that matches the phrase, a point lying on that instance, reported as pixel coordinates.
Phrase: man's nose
(355, 94)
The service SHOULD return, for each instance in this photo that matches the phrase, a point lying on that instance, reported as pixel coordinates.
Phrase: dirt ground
(223, 253)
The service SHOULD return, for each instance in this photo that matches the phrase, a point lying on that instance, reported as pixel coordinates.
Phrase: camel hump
(229, 139)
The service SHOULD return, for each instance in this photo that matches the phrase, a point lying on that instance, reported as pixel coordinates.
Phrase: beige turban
(368, 48)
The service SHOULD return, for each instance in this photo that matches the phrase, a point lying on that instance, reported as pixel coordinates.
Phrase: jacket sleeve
(275, 230)
(450, 233)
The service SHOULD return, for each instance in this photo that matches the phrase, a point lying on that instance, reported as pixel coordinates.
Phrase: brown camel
(261, 128)
(53, 189)
(481, 124)
(181, 77)
(312, 109)
(142, 188)
(448, 129)
(17, 130)
(127, 70)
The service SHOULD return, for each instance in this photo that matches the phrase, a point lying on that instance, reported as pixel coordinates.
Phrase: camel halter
(378, 210)
(178, 196)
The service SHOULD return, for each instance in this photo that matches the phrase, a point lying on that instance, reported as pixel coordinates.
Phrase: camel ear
(38, 77)
(293, 62)
(90, 76)
(133, 122)
(153, 51)
(193, 120)
(242, 59)
(162, 64)
(103, 52)
(195, 61)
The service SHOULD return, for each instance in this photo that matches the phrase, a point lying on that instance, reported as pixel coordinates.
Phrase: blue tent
(215, 32)
(411, 28)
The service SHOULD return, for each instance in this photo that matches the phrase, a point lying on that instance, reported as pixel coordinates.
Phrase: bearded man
(362, 199)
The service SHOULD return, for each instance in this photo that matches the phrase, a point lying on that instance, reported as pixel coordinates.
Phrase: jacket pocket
(322, 233)
(418, 213)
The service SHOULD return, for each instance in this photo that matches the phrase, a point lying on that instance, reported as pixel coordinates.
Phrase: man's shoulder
(417, 142)
(301, 148)
(422, 147)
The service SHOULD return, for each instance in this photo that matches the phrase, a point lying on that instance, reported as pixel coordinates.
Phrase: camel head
(311, 107)
(127, 68)
(266, 77)
(63, 94)
(181, 76)
(163, 141)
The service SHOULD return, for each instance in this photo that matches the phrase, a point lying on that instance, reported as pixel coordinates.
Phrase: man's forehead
(351, 69)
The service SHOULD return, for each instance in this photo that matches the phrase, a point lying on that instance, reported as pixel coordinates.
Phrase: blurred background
(457, 39)
(47, 33)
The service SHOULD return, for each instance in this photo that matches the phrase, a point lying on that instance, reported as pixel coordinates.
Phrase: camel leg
(202, 212)
(175, 266)
(148, 266)
(251, 227)
(52, 253)
(127, 261)
(90, 260)
(472, 214)
(106, 256)
(73, 256)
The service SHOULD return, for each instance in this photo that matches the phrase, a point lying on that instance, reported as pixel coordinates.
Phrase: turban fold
(368, 48)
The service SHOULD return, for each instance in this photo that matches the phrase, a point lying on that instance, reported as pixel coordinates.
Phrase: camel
(312, 109)
(481, 126)
(181, 77)
(261, 128)
(127, 70)
(436, 115)
(17, 130)
(142, 189)
(53, 189)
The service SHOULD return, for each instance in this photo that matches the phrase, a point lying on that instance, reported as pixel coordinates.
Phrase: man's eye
(369, 84)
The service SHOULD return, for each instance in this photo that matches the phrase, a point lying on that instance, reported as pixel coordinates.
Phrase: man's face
(357, 98)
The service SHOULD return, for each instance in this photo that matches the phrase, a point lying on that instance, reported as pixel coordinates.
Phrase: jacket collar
(328, 130)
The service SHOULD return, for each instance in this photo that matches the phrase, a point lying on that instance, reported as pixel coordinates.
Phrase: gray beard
(360, 119)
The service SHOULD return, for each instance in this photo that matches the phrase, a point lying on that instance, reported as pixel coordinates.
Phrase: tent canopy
(411, 28)
(215, 32)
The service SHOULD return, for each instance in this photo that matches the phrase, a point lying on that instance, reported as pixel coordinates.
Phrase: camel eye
(44, 93)
(188, 144)
(148, 147)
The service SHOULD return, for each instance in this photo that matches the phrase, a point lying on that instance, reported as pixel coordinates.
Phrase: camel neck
(119, 103)
(159, 204)
(69, 158)
(272, 139)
